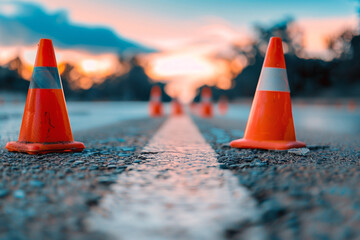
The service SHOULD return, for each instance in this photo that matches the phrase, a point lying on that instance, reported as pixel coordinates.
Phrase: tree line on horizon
(308, 77)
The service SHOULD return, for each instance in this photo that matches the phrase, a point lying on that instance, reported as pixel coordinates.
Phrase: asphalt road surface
(177, 178)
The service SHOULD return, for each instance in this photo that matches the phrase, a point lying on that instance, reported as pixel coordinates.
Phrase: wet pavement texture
(48, 196)
(177, 191)
(312, 193)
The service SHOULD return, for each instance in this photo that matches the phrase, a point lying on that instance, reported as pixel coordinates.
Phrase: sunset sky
(184, 33)
(166, 24)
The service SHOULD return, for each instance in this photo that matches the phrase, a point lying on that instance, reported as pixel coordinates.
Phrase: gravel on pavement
(311, 193)
(48, 196)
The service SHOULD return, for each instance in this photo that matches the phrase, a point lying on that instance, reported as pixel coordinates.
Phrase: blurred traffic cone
(206, 106)
(223, 105)
(45, 126)
(270, 124)
(176, 108)
(352, 105)
(155, 105)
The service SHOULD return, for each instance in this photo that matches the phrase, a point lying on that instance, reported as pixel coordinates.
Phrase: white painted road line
(179, 192)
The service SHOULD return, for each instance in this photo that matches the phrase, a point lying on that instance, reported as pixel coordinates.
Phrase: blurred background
(117, 49)
(110, 53)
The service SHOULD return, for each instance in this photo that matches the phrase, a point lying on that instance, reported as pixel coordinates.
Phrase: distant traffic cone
(45, 126)
(270, 124)
(155, 105)
(223, 105)
(176, 108)
(206, 106)
(352, 105)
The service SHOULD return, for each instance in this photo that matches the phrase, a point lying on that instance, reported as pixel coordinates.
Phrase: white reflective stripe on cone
(155, 98)
(273, 79)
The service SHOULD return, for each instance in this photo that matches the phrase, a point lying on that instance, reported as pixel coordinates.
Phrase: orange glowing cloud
(167, 66)
(317, 31)
(93, 69)
(187, 69)
(209, 59)
(89, 69)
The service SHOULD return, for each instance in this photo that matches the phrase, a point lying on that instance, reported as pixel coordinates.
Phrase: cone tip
(276, 39)
(45, 56)
(206, 91)
(43, 40)
(275, 55)
(155, 90)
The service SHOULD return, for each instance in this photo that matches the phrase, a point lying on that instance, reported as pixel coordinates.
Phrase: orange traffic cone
(155, 104)
(206, 107)
(270, 124)
(352, 105)
(223, 105)
(176, 108)
(45, 126)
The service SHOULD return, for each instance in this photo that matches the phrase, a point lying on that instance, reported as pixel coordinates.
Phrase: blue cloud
(25, 23)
